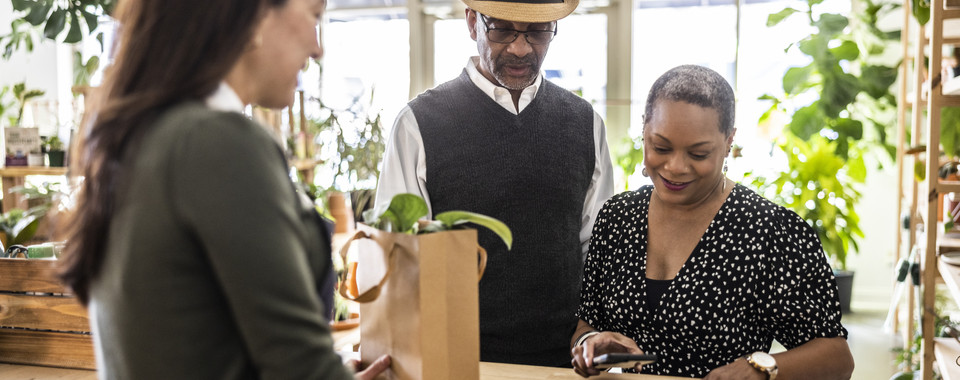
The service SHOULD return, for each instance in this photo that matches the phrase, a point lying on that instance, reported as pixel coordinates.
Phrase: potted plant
(55, 151)
(22, 95)
(421, 282)
(829, 138)
(350, 147)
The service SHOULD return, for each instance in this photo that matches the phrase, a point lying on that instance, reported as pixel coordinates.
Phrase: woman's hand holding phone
(604, 343)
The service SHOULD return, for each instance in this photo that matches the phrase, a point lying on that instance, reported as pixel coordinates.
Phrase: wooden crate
(40, 322)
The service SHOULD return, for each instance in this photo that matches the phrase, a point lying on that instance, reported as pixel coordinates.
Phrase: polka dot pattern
(758, 274)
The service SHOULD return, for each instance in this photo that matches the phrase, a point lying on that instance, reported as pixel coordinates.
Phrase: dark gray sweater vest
(532, 172)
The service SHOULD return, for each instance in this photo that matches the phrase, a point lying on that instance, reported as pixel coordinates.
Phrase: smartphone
(622, 360)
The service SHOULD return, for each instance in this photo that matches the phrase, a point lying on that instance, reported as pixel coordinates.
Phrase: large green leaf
(24, 230)
(406, 209)
(778, 17)
(75, 34)
(950, 130)
(90, 19)
(847, 50)
(839, 90)
(55, 24)
(857, 169)
(848, 127)
(876, 79)
(795, 77)
(807, 121)
(814, 46)
(453, 218)
(831, 24)
(921, 10)
(37, 12)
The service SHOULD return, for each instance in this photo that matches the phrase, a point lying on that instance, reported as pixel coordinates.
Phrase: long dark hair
(169, 51)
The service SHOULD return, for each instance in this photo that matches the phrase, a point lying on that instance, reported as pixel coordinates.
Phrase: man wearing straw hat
(503, 141)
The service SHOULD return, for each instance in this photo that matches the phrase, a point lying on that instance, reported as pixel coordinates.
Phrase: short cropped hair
(696, 85)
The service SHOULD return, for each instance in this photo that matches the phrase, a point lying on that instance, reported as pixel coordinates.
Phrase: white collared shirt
(224, 99)
(404, 161)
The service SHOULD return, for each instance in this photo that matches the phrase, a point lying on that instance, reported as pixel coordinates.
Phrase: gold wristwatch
(763, 362)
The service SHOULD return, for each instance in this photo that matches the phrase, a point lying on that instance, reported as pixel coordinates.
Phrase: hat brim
(523, 12)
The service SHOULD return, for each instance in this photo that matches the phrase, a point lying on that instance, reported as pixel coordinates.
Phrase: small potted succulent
(55, 151)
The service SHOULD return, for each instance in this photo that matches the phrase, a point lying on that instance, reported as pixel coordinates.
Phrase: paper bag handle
(371, 294)
(482, 265)
(374, 292)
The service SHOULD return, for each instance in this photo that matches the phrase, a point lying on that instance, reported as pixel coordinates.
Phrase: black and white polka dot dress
(757, 274)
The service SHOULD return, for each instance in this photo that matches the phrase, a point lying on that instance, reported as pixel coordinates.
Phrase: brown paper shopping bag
(422, 305)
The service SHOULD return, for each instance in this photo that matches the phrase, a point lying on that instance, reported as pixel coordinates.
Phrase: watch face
(763, 359)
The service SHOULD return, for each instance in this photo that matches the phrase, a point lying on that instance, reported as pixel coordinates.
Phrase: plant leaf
(807, 121)
(38, 12)
(452, 218)
(75, 34)
(24, 230)
(831, 24)
(847, 50)
(90, 19)
(794, 77)
(921, 11)
(776, 18)
(55, 24)
(406, 210)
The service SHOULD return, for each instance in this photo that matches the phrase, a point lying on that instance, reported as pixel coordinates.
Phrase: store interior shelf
(944, 187)
(951, 99)
(951, 277)
(21, 171)
(947, 352)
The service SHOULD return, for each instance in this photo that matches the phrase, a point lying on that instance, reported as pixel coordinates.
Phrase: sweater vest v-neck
(531, 171)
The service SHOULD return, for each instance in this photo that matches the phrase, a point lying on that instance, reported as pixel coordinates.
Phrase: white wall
(873, 265)
(48, 68)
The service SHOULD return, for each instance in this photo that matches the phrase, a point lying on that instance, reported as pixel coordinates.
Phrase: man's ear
(471, 17)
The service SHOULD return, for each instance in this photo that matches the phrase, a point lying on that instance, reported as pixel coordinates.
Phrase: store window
(668, 33)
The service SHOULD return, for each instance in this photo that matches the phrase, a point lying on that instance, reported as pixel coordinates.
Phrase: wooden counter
(488, 371)
(500, 371)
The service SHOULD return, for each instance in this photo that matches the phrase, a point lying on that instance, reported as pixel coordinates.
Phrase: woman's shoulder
(186, 116)
(756, 208)
(629, 198)
(193, 124)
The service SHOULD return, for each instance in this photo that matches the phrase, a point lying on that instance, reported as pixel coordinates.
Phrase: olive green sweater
(211, 260)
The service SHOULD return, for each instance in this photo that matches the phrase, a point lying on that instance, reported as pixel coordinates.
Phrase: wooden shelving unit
(12, 176)
(942, 351)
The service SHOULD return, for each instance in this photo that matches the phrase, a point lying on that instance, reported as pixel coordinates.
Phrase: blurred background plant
(349, 149)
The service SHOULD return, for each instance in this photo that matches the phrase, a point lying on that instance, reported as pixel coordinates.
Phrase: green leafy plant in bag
(405, 211)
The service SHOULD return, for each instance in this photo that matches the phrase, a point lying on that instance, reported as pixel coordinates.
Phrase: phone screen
(622, 360)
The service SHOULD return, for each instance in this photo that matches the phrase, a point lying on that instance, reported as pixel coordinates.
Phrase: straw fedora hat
(524, 10)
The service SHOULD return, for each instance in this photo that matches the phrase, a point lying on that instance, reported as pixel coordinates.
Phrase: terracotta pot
(341, 211)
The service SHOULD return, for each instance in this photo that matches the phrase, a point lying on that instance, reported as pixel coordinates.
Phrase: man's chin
(511, 83)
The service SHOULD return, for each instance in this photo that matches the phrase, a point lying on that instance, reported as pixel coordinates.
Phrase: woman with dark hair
(190, 246)
(699, 270)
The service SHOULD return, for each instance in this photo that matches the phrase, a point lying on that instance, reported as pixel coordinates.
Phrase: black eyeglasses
(507, 36)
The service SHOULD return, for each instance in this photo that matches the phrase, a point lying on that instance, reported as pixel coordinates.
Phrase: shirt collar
(224, 99)
(498, 93)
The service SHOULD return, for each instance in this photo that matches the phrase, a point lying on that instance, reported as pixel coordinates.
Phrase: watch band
(771, 371)
(583, 337)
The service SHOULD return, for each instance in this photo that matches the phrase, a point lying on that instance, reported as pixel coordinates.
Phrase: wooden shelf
(951, 277)
(944, 187)
(947, 352)
(20, 171)
(304, 163)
